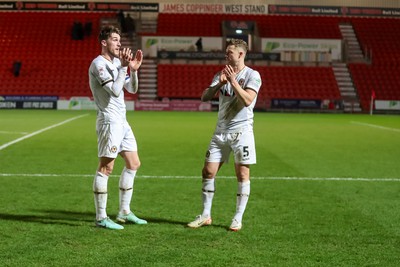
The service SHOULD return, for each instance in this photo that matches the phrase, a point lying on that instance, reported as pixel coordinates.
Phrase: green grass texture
(325, 192)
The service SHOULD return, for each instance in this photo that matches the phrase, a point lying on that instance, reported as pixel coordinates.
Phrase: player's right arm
(103, 75)
(218, 81)
(115, 87)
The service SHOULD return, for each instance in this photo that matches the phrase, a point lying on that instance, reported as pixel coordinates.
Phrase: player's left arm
(134, 65)
(246, 95)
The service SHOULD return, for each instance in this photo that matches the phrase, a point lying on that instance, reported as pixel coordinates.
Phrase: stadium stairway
(352, 46)
(346, 87)
(148, 79)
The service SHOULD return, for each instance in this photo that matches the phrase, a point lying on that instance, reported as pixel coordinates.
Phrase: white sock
(100, 195)
(208, 194)
(126, 190)
(242, 197)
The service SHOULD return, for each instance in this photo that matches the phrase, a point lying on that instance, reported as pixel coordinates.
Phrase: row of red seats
(299, 82)
(183, 81)
(380, 38)
(52, 63)
(383, 80)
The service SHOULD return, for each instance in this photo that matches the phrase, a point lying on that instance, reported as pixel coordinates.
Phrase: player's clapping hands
(127, 59)
(222, 77)
(125, 56)
(230, 74)
(136, 62)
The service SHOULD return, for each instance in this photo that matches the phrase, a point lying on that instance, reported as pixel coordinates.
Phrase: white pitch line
(40, 131)
(356, 179)
(376, 126)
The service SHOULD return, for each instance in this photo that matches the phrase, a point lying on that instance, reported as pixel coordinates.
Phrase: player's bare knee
(107, 170)
(207, 174)
(243, 176)
(134, 165)
(242, 172)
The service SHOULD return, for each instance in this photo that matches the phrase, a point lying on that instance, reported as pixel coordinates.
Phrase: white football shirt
(232, 115)
(102, 72)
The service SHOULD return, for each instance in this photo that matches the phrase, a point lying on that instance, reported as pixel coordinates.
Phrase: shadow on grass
(61, 217)
(183, 223)
(74, 218)
(77, 219)
(163, 221)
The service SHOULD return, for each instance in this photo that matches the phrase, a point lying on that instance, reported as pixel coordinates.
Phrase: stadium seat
(51, 60)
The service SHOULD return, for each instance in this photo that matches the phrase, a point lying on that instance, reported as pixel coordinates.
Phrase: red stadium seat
(51, 61)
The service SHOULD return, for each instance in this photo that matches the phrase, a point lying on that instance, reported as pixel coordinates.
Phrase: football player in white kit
(108, 76)
(238, 86)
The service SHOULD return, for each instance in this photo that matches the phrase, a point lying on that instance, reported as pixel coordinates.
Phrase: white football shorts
(241, 143)
(112, 138)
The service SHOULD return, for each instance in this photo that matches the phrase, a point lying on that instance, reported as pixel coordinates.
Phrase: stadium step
(349, 83)
(346, 88)
(148, 75)
(148, 96)
(343, 78)
(148, 79)
(148, 91)
(148, 25)
(144, 70)
(342, 73)
(148, 85)
(354, 52)
(348, 93)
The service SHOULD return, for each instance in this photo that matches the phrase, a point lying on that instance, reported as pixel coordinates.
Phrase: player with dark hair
(108, 76)
(238, 86)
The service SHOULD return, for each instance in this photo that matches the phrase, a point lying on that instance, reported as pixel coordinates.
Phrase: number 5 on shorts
(245, 152)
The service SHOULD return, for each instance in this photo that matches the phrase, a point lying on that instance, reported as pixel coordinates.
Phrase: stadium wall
(354, 3)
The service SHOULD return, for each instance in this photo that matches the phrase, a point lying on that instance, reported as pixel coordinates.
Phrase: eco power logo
(271, 46)
(393, 104)
(150, 42)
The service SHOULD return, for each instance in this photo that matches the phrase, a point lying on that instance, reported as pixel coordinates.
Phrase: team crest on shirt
(113, 149)
(241, 82)
(101, 72)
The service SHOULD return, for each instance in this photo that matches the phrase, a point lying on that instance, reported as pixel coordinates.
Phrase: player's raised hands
(136, 62)
(229, 72)
(125, 56)
(222, 77)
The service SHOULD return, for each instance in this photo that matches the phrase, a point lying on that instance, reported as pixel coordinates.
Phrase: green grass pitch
(325, 192)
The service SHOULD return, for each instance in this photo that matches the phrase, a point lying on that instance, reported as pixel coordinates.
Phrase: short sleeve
(254, 81)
